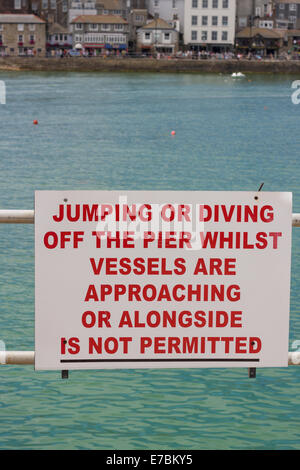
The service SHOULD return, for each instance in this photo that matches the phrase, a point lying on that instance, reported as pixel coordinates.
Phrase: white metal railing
(27, 357)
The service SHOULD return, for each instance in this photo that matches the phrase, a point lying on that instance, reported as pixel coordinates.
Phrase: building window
(224, 20)
(1, 39)
(214, 21)
(20, 38)
(194, 3)
(1, 27)
(173, 3)
(20, 27)
(194, 35)
(93, 27)
(292, 19)
(214, 35)
(215, 3)
(32, 27)
(204, 3)
(224, 36)
(53, 4)
(281, 6)
(204, 20)
(147, 36)
(156, 3)
(45, 4)
(293, 6)
(225, 3)
(204, 36)
(78, 26)
(167, 36)
(65, 6)
(17, 4)
(32, 38)
(194, 20)
(105, 27)
(119, 27)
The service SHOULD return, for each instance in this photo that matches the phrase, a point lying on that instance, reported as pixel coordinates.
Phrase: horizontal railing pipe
(296, 220)
(27, 217)
(16, 217)
(16, 357)
(294, 358)
(27, 357)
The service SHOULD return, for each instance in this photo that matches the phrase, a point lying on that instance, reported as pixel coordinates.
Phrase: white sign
(148, 279)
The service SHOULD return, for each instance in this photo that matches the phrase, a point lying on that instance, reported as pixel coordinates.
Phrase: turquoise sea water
(113, 132)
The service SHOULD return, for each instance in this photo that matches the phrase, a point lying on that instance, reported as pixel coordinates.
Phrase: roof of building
(292, 32)
(252, 32)
(56, 28)
(20, 19)
(282, 32)
(99, 19)
(157, 23)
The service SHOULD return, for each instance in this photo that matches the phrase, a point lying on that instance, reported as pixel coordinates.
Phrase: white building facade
(209, 25)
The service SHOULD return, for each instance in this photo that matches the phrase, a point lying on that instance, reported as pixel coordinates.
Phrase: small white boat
(238, 75)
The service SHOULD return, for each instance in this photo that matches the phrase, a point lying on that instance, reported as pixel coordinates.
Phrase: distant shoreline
(99, 64)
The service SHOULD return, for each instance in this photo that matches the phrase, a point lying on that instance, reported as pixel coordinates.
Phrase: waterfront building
(98, 34)
(58, 38)
(137, 4)
(133, 11)
(80, 8)
(137, 19)
(287, 14)
(22, 34)
(259, 41)
(15, 6)
(258, 13)
(99, 7)
(168, 10)
(157, 37)
(53, 11)
(113, 7)
(209, 25)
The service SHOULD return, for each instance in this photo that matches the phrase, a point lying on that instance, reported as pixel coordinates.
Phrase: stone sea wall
(98, 64)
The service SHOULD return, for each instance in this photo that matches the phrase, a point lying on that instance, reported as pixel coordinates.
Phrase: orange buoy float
(35, 122)
(173, 133)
